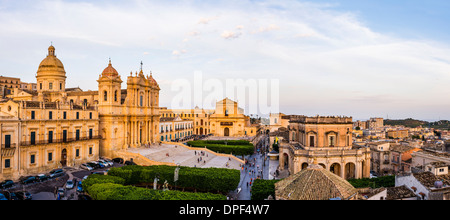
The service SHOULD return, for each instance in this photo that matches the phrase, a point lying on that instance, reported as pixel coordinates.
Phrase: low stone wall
(139, 159)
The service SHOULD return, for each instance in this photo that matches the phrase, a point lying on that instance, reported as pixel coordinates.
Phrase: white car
(69, 184)
(86, 167)
(108, 162)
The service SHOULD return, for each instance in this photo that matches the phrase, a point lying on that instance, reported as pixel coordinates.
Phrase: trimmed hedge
(202, 179)
(261, 189)
(98, 179)
(112, 191)
(235, 147)
(384, 181)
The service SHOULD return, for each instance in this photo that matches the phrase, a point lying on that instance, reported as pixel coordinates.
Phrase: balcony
(7, 146)
(70, 137)
(8, 150)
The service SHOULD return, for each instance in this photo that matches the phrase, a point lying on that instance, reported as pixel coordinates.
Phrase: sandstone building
(40, 130)
(329, 141)
(54, 126)
(226, 120)
(175, 128)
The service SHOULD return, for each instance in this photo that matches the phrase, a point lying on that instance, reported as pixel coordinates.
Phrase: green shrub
(96, 179)
(202, 179)
(111, 191)
(384, 181)
(235, 147)
(261, 189)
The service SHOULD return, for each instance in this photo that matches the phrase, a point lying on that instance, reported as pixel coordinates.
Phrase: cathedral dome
(51, 65)
(110, 71)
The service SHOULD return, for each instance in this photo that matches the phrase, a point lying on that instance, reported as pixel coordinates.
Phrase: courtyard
(185, 156)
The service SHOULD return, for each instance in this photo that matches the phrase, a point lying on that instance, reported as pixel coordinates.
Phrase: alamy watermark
(255, 96)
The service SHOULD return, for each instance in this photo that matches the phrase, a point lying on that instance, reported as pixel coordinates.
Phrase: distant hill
(412, 123)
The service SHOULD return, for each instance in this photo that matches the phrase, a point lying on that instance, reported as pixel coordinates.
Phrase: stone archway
(304, 166)
(286, 161)
(226, 132)
(350, 171)
(336, 169)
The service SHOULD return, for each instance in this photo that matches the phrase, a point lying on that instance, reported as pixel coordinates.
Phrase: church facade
(54, 126)
(226, 120)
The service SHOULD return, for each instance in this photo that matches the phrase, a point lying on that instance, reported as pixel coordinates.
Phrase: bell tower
(109, 89)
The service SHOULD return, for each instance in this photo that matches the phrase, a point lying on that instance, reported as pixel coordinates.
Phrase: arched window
(105, 94)
(115, 96)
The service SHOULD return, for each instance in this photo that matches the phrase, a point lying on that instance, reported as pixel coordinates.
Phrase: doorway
(226, 132)
(64, 157)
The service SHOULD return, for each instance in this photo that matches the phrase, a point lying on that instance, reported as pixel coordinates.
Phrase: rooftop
(399, 192)
(314, 183)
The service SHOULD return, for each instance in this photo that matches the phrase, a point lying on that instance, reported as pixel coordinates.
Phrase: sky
(356, 58)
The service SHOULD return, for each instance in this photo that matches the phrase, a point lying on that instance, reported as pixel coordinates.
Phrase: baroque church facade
(54, 126)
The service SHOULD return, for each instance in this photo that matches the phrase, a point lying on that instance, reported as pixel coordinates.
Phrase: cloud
(230, 35)
(178, 52)
(207, 20)
(268, 28)
(193, 33)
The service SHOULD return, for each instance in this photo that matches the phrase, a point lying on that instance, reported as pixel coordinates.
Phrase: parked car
(128, 162)
(99, 173)
(24, 195)
(109, 162)
(106, 163)
(30, 179)
(373, 174)
(61, 191)
(79, 186)
(118, 160)
(93, 165)
(56, 173)
(42, 177)
(6, 184)
(86, 167)
(102, 164)
(69, 184)
(3, 197)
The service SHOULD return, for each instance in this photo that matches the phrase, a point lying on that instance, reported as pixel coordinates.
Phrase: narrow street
(257, 167)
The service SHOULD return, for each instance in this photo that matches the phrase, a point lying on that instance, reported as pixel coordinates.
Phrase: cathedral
(52, 126)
